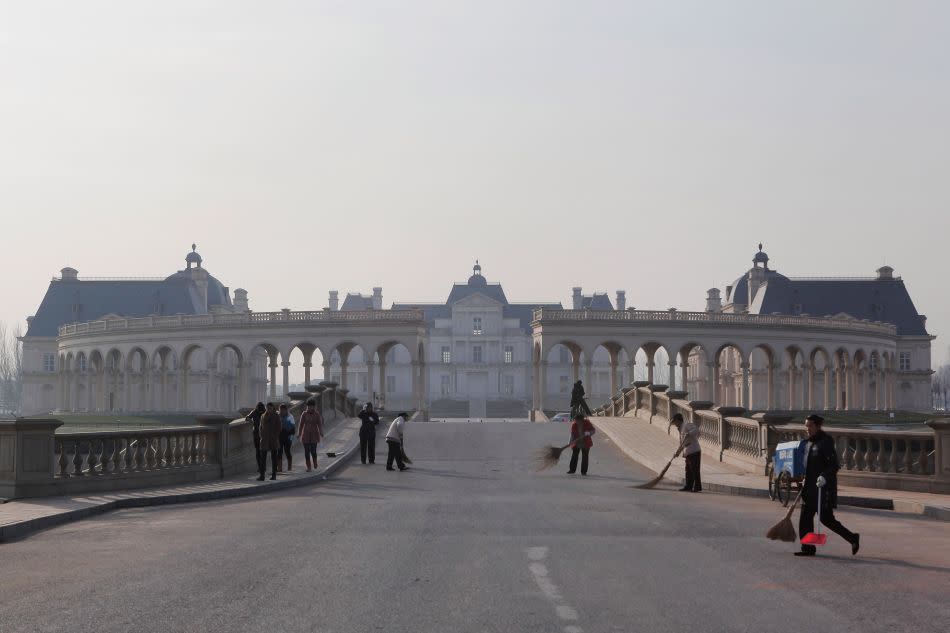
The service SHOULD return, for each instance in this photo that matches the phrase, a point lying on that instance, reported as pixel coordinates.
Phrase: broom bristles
(784, 530)
(548, 457)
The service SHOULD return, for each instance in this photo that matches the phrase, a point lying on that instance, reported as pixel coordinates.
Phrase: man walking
(270, 440)
(368, 421)
(821, 480)
(692, 453)
(581, 442)
(254, 417)
(394, 441)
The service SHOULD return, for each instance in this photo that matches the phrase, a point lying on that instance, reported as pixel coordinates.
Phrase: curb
(15, 531)
(898, 506)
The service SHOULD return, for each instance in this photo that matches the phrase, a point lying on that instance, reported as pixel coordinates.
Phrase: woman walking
(254, 417)
(311, 432)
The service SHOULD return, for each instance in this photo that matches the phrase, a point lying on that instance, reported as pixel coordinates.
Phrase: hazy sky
(314, 145)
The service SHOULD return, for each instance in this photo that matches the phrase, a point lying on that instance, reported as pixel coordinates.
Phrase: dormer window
(477, 326)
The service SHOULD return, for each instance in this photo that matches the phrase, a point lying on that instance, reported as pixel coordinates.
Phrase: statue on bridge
(578, 403)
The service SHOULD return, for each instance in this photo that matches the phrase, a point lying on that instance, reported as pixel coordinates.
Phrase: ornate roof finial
(193, 257)
(193, 247)
(760, 247)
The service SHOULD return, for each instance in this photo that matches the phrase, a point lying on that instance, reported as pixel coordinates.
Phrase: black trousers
(584, 452)
(368, 446)
(262, 461)
(395, 453)
(310, 453)
(261, 457)
(693, 479)
(806, 521)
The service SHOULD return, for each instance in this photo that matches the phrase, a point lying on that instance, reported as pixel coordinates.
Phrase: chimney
(240, 300)
(885, 273)
(377, 298)
(713, 300)
(69, 274)
(334, 300)
(621, 300)
(577, 301)
(923, 321)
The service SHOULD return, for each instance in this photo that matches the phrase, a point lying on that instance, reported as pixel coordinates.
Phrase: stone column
(272, 388)
(382, 382)
(864, 388)
(631, 371)
(416, 388)
(684, 376)
(671, 364)
(370, 381)
(212, 394)
(810, 378)
(286, 376)
(650, 365)
(575, 366)
(770, 386)
(879, 390)
(589, 376)
(792, 400)
(745, 385)
(306, 373)
(826, 378)
(839, 406)
(182, 389)
(614, 387)
(543, 383)
(344, 374)
(713, 387)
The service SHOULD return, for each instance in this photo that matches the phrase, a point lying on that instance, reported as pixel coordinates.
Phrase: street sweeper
(820, 490)
(581, 442)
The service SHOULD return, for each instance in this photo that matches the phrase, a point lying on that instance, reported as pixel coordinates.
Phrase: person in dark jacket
(254, 417)
(821, 472)
(368, 421)
(578, 403)
(288, 427)
(270, 439)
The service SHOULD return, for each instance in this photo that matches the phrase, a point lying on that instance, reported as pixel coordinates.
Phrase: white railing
(243, 319)
(667, 316)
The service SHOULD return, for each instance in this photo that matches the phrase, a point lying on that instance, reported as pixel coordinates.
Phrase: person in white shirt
(394, 441)
(692, 453)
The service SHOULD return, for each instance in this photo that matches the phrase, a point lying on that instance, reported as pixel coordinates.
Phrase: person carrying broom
(692, 453)
(821, 482)
(581, 430)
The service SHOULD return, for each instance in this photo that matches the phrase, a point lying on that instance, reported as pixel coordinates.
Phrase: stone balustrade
(36, 460)
(915, 460)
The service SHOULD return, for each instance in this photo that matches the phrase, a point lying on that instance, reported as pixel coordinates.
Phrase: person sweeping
(821, 482)
(692, 453)
(581, 431)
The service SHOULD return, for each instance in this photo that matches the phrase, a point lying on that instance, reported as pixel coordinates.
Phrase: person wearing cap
(581, 442)
(692, 453)
(394, 439)
(368, 421)
(821, 473)
(311, 432)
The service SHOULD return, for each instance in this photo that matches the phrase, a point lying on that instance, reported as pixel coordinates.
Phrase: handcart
(787, 469)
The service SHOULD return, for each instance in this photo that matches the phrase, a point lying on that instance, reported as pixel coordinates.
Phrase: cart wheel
(772, 483)
(784, 488)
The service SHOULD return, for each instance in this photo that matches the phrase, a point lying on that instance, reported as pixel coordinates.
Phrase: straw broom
(659, 477)
(548, 456)
(784, 530)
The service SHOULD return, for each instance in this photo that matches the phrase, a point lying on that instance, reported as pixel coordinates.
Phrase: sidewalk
(650, 446)
(21, 517)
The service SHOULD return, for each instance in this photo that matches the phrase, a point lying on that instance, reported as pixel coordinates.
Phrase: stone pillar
(182, 389)
(416, 386)
(272, 388)
(941, 429)
(212, 393)
(27, 457)
(671, 364)
(650, 365)
(370, 381)
(306, 373)
(879, 390)
(684, 376)
(745, 385)
(589, 376)
(810, 378)
(575, 366)
(344, 374)
(770, 386)
(286, 376)
(826, 379)
(614, 387)
(839, 406)
(792, 400)
(543, 383)
(713, 387)
(864, 388)
(631, 371)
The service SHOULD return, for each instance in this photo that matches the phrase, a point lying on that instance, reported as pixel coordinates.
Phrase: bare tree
(941, 387)
(11, 369)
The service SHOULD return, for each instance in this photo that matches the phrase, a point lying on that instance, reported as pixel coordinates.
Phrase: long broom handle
(788, 515)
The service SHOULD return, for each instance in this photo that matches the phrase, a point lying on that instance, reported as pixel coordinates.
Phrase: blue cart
(787, 469)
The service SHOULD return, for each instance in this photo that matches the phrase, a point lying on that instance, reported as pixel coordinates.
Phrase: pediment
(477, 300)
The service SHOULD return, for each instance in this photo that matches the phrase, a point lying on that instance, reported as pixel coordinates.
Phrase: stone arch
(263, 360)
(731, 375)
(227, 377)
(601, 370)
(695, 361)
(822, 367)
(397, 384)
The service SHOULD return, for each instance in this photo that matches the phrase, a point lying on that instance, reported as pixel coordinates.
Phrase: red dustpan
(819, 537)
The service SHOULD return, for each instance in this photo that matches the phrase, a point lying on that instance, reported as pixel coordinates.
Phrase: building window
(477, 326)
(477, 354)
(446, 355)
(509, 354)
(905, 361)
(563, 355)
(508, 385)
(564, 384)
(390, 384)
(49, 362)
(873, 362)
(446, 384)
(82, 363)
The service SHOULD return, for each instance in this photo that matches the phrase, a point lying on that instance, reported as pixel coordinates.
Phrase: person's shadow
(887, 561)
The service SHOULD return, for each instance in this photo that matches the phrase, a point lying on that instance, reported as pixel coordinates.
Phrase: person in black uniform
(821, 471)
(255, 418)
(368, 421)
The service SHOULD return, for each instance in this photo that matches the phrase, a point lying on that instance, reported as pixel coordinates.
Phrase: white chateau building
(183, 343)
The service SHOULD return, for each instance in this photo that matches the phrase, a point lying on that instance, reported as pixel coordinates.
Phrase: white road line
(539, 572)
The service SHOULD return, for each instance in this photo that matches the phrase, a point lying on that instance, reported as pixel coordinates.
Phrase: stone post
(941, 428)
(286, 376)
(745, 385)
(27, 456)
(219, 450)
(713, 387)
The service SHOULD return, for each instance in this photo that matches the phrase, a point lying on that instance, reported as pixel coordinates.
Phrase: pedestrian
(287, 429)
(821, 480)
(310, 432)
(578, 403)
(394, 439)
(270, 440)
(368, 421)
(692, 453)
(254, 417)
(581, 442)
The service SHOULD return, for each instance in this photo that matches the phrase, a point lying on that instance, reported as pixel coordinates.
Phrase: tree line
(11, 370)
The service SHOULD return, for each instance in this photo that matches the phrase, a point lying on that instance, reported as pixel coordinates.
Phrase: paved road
(473, 540)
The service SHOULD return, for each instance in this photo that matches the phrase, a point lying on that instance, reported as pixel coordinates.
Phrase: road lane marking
(539, 572)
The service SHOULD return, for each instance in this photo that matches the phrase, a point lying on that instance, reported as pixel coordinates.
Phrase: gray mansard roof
(76, 300)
